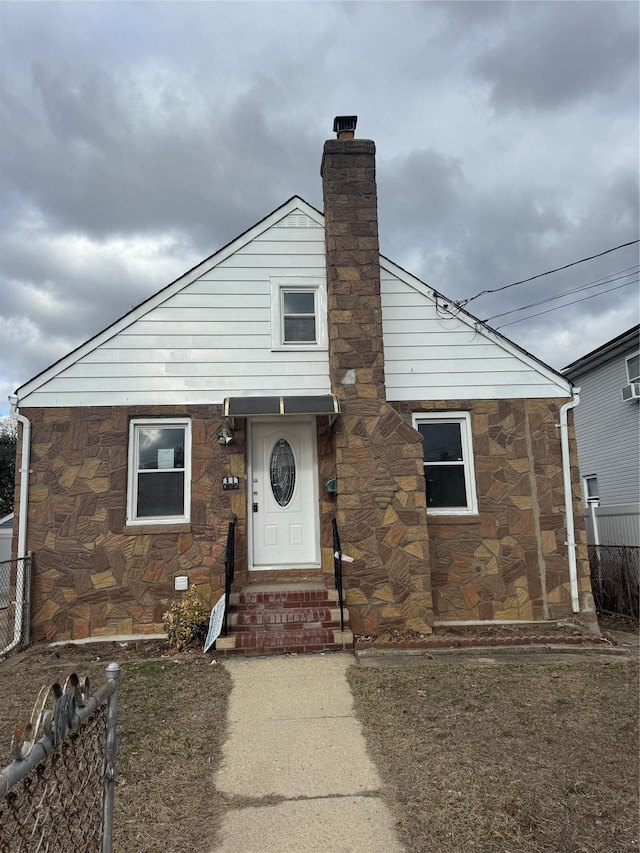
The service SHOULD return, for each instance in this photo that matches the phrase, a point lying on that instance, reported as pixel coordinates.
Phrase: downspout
(22, 518)
(568, 498)
(593, 506)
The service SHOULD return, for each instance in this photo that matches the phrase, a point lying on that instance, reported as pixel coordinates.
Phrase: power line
(599, 282)
(465, 302)
(567, 304)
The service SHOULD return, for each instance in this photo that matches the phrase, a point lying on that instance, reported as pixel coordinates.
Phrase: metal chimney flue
(345, 126)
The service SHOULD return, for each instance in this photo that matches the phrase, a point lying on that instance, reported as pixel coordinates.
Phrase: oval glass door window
(282, 472)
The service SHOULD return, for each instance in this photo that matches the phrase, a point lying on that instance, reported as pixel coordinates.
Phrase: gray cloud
(558, 53)
(138, 138)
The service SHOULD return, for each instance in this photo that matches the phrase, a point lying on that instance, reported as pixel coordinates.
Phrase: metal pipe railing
(229, 568)
(337, 569)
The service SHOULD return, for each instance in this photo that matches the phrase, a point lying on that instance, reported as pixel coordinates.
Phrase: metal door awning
(243, 407)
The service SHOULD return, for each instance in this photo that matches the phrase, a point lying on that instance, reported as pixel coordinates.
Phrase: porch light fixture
(225, 435)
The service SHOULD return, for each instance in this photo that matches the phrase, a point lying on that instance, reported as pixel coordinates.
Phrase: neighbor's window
(159, 471)
(298, 313)
(633, 368)
(448, 462)
(591, 490)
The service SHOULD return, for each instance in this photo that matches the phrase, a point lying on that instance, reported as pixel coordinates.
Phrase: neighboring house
(607, 424)
(6, 533)
(295, 355)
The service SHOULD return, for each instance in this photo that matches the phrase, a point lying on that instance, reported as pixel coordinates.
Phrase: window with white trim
(633, 368)
(448, 462)
(298, 314)
(591, 490)
(159, 489)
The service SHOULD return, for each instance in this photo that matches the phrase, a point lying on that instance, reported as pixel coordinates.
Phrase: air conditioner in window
(631, 391)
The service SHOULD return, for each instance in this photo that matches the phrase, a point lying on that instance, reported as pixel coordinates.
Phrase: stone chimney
(381, 505)
(353, 266)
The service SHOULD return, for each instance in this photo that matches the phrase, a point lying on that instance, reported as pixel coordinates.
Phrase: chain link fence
(57, 794)
(615, 578)
(15, 584)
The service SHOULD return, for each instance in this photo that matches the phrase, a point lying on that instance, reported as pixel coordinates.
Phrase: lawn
(516, 759)
(513, 759)
(171, 723)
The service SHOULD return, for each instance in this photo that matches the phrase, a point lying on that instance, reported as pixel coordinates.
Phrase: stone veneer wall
(380, 507)
(93, 575)
(509, 561)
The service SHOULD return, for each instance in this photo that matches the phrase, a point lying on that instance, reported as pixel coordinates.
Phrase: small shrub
(187, 621)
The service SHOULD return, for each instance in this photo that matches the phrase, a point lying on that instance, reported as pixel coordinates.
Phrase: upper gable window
(633, 368)
(298, 314)
(159, 471)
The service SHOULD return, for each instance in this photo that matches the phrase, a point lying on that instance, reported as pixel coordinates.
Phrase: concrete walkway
(295, 767)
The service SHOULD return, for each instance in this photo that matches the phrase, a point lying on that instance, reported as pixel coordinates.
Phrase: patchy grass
(171, 724)
(518, 759)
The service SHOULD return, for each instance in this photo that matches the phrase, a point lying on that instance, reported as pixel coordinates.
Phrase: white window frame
(466, 438)
(282, 284)
(132, 485)
(587, 498)
(628, 358)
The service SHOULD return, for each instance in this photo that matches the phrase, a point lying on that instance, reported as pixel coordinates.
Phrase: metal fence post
(113, 676)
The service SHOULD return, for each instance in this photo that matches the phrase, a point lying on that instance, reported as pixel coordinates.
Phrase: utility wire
(465, 302)
(566, 305)
(599, 282)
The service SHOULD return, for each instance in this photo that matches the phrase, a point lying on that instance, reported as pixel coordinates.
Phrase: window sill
(454, 519)
(299, 348)
(143, 529)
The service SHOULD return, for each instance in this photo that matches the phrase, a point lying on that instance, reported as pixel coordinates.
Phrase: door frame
(311, 423)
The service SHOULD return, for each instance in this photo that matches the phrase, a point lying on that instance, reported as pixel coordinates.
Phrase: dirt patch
(515, 759)
(618, 622)
(479, 635)
(171, 725)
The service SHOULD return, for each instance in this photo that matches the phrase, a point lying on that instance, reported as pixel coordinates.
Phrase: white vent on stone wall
(631, 391)
(297, 220)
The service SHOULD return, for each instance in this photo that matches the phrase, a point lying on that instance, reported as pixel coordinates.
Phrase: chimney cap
(345, 125)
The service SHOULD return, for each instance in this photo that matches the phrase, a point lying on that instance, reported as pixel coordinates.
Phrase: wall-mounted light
(225, 436)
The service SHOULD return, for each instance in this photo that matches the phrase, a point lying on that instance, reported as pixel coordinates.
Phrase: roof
(612, 349)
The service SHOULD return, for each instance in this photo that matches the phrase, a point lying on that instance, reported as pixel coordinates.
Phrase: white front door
(283, 505)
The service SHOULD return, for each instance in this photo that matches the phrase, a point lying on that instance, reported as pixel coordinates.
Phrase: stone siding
(510, 561)
(380, 507)
(93, 574)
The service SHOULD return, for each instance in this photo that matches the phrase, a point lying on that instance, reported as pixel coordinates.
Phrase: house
(607, 424)
(6, 528)
(295, 377)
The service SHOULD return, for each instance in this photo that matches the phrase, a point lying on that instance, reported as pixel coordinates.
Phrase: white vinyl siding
(210, 335)
(430, 355)
(210, 339)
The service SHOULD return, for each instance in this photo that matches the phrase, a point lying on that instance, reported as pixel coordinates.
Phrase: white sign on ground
(215, 623)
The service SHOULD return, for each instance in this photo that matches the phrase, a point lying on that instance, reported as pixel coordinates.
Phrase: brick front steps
(283, 618)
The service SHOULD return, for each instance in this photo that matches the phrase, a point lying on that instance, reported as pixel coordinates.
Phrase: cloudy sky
(137, 138)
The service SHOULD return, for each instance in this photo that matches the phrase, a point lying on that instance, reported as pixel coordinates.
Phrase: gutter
(568, 498)
(22, 518)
